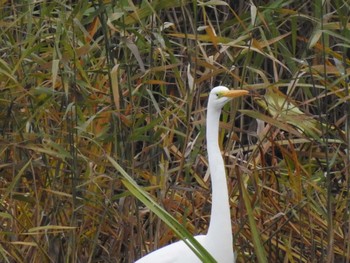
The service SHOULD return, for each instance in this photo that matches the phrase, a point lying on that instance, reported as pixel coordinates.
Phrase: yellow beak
(234, 93)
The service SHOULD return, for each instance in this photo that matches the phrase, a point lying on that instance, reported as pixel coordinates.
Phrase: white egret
(218, 240)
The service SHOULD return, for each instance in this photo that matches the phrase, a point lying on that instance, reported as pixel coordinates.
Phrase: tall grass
(129, 79)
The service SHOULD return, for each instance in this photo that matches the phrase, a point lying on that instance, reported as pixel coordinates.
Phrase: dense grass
(95, 96)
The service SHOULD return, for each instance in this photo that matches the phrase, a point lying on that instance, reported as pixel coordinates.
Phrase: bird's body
(167, 255)
(218, 240)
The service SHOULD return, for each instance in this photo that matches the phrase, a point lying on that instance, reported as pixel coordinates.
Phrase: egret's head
(220, 95)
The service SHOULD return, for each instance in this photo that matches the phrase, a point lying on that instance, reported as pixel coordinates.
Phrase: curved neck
(220, 221)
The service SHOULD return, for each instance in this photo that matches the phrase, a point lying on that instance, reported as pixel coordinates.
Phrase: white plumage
(218, 240)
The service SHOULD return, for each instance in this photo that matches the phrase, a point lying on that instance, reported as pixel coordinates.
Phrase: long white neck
(220, 229)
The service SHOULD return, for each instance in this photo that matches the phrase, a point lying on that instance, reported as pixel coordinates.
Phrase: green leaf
(258, 246)
(178, 229)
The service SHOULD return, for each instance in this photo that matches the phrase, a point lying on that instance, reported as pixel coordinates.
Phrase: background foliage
(83, 79)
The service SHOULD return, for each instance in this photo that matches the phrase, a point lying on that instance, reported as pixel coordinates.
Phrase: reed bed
(102, 116)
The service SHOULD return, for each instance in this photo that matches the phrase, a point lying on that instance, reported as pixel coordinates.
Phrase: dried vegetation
(83, 80)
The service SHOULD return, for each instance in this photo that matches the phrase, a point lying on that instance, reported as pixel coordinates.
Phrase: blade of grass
(258, 246)
(178, 229)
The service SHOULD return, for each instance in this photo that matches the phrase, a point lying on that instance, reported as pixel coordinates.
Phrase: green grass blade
(178, 229)
(258, 246)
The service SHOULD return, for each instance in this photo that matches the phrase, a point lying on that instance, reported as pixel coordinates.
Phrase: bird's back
(177, 252)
